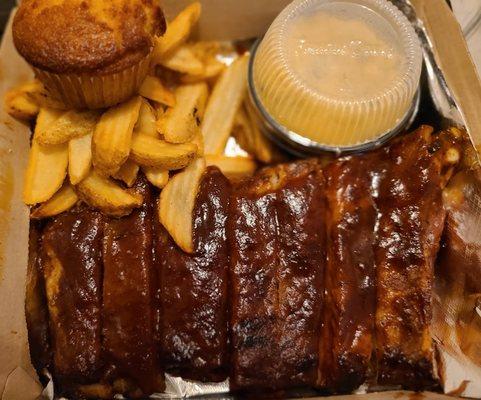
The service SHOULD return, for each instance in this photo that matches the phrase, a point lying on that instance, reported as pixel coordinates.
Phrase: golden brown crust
(86, 36)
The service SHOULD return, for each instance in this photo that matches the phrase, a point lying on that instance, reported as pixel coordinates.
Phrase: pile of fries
(181, 120)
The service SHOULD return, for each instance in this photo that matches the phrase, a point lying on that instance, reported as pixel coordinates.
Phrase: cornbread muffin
(89, 53)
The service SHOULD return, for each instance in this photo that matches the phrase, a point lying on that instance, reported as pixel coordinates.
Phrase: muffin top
(86, 36)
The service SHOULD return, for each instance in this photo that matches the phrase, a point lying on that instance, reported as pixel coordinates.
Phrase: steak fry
(72, 261)
(276, 234)
(408, 194)
(350, 302)
(129, 311)
(194, 322)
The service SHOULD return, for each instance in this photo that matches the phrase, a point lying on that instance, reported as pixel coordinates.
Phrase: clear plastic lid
(338, 72)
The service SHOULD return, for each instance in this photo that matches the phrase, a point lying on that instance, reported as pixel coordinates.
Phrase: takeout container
(455, 87)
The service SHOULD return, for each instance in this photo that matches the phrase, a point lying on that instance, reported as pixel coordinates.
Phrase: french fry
(79, 158)
(177, 202)
(225, 100)
(68, 125)
(46, 170)
(24, 102)
(61, 201)
(159, 112)
(156, 176)
(262, 149)
(212, 69)
(151, 152)
(234, 168)
(184, 60)
(146, 124)
(251, 139)
(127, 172)
(181, 123)
(207, 53)
(46, 118)
(198, 140)
(153, 89)
(242, 131)
(168, 77)
(47, 165)
(20, 106)
(102, 193)
(38, 93)
(177, 31)
(205, 50)
(113, 136)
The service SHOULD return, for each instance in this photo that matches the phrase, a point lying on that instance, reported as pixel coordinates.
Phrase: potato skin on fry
(184, 60)
(247, 133)
(151, 152)
(154, 89)
(39, 94)
(104, 194)
(20, 106)
(234, 168)
(69, 125)
(128, 172)
(146, 124)
(25, 101)
(61, 201)
(177, 31)
(181, 123)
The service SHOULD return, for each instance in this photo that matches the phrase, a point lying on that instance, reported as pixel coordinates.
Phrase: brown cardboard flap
(20, 385)
(17, 377)
(230, 19)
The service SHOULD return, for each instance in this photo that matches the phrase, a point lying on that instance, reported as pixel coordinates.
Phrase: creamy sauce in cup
(344, 57)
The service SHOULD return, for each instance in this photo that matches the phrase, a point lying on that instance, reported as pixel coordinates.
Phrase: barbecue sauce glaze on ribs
(36, 312)
(129, 309)
(350, 303)
(407, 184)
(276, 235)
(303, 276)
(194, 289)
(71, 257)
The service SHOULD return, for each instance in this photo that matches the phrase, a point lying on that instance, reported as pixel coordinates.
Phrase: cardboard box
(224, 20)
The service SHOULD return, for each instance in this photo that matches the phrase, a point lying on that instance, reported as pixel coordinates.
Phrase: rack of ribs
(129, 307)
(194, 289)
(350, 302)
(71, 258)
(276, 235)
(302, 276)
(408, 186)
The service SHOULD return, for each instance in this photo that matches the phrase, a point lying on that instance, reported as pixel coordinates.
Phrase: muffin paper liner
(91, 91)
